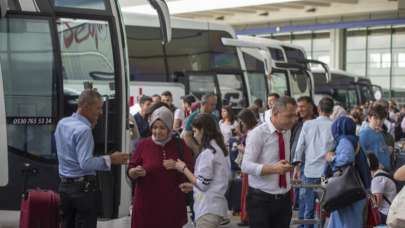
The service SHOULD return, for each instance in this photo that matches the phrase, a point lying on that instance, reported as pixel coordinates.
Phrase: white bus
(290, 70)
(195, 58)
(50, 50)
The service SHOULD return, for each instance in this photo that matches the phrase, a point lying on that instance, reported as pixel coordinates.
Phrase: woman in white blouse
(227, 123)
(211, 176)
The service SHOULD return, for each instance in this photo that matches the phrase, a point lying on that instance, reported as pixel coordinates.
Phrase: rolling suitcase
(40, 209)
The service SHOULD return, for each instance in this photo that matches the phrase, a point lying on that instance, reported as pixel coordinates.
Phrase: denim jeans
(307, 199)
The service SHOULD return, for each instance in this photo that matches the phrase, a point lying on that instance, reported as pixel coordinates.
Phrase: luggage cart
(320, 215)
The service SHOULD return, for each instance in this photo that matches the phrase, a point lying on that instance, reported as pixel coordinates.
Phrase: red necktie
(282, 181)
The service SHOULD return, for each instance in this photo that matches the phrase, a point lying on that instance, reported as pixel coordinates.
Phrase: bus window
(300, 84)
(86, 58)
(27, 60)
(231, 87)
(278, 83)
(202, 84)
(145, 52)
(82, 4)
(3, 137)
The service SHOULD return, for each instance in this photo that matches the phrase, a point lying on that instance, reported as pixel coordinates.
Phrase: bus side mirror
(3, 8)
(164, 18)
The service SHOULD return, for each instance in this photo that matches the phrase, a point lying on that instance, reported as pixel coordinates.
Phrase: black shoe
(244, 223)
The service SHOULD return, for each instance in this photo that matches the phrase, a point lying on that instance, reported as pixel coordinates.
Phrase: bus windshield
(256, 77)
(189, 50)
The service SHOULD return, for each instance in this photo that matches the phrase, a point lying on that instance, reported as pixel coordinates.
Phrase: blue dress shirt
(75, 145)
(314, 142)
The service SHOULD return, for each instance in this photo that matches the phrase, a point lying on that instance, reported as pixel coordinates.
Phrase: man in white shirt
(271, 99)
(266, 161)
(314, 142)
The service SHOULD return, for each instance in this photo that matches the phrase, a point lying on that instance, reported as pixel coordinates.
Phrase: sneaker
(225, 221)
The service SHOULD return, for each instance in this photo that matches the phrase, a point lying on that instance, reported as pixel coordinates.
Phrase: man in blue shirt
(314, 141)
(372, 138)
(77, 166)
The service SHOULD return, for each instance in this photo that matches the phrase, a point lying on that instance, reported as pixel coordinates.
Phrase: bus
(290, 70)
(347, 89)
(50, 51)
(195, 58)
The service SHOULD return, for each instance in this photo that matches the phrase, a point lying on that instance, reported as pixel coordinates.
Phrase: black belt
(77, 179)
(260, 193)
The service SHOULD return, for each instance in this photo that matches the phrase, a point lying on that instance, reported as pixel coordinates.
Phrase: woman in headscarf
(344, 132)
(159, 201)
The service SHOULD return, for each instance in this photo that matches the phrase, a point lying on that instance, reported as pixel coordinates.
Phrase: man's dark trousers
(79, 204)
(267, 210)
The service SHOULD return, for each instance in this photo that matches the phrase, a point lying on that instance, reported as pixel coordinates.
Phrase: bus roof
(270, 42)
(146, 20)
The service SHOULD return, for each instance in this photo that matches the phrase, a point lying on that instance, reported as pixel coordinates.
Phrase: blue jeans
(307, 199)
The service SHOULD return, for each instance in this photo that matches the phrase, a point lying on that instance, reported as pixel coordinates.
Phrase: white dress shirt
(262, 148)
(314, 142)
(267, 115)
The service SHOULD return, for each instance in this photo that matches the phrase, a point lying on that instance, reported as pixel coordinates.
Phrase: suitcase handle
(27, 172)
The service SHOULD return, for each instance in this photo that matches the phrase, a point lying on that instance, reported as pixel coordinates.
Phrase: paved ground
(9, 219)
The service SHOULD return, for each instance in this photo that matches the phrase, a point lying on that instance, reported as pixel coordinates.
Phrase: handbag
(342, 189)
(373, 215)
(396, 214)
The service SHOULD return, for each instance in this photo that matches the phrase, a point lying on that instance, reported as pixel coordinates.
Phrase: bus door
(3, 138)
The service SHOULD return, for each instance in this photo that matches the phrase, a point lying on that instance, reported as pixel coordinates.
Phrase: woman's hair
(211, 131)
(231, 114)
(357, 115)
(248, 118)
(373, 160)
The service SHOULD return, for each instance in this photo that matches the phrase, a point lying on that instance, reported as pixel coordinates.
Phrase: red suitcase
(40, 209)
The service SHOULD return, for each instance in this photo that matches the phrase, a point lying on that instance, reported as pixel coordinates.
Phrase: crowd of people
(191, 155)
